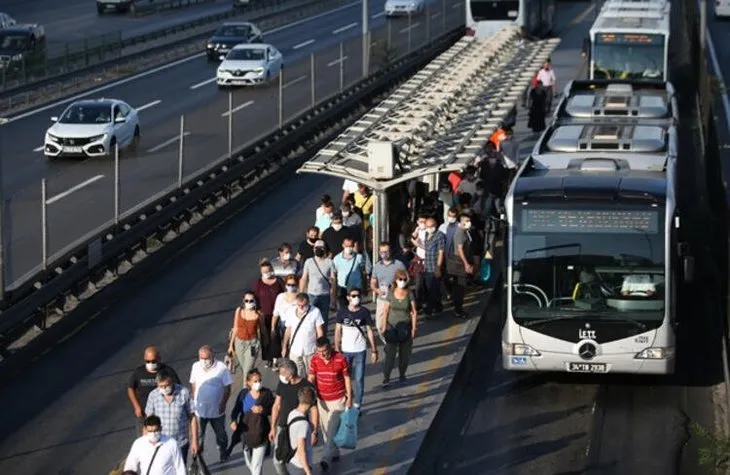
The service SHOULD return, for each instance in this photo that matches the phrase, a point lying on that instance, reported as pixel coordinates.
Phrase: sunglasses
(249, 301)
(354, 295)
(150, 361)
(402, 280)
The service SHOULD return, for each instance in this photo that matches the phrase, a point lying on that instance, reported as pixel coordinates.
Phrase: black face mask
(319, 252)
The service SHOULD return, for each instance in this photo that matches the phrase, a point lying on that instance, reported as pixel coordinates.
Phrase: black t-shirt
(305, 250)
(143, 382)
(333, 239)
(289, 398)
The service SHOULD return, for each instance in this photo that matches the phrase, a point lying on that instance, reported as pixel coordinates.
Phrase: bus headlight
(519, 349)
(655, 353)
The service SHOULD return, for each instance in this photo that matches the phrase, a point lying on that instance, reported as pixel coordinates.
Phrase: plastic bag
(485, 270)
(198, 467)
(346, 436)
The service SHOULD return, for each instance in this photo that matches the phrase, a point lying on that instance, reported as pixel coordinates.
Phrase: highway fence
(141, 8)
(62, 60)
(47, 304)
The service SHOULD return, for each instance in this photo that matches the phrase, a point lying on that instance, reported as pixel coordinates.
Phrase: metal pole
(390, 34)
(180, 162)
(314, 89)
(443, 16)
(342, 67)
(365, 42)
(428, 24)
(116, 184)
(2, 227)
(410, 27)
(281, 98)
(44, 225)
(230, 125)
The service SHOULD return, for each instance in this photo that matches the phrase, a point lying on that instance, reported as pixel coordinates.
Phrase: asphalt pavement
(163, 95)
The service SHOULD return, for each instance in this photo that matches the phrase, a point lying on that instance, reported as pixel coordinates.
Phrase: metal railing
(140, 8)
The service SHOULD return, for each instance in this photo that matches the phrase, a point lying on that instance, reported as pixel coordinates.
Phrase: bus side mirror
(586, 47)
(688, 269)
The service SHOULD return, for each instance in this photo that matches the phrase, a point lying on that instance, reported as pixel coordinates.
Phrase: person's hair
(328, 204)
(285, 246)
(289, 367)
(399, 274)
(152, 421)
(251, 373)
(453, 210)
(384, 244)
(313, 228)
(325, 199)
(306, 396)
(302, 296)
(265, 263)
(323, 341)
(291, 277)
(249, 293)
(207, 349)
(165, 374)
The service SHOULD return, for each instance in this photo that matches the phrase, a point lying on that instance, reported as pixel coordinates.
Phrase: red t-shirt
(330, 376)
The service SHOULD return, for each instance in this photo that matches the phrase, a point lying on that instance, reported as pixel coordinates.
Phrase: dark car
(22, 46)
(230, 35)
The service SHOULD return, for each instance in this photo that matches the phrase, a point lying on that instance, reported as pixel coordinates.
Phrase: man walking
(434, 243)
(383, 277)
(330, 375)
(210, 383)
(154, 453)
(143, 381)
(318, 280)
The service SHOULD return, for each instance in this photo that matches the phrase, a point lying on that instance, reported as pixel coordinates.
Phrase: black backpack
(284, 451)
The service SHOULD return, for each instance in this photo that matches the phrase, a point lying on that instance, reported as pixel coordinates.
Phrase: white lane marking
(377, 15)
(344, 28)
(294, 81)
(405, 30)
(238, 108)
(302, 45)
(148, 105)
(167, 66)
(337, 61)
(436, 15)
(718, 73)
(166, 143)
(39, 149)
(73, 189)
(456, 5)
(202, 83)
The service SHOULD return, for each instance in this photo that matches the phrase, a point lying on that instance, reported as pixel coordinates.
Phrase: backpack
(284, 451)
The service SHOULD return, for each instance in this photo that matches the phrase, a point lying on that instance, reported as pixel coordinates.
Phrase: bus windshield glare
(628, 56)
(485, 10)
(588, 261)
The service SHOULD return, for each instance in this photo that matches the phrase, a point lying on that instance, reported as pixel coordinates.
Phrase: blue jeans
(356, 362)
(322, 302)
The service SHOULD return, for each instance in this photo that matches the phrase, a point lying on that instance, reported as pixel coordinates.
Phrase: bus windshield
(486, 10)
(576, 261)
(622, 59)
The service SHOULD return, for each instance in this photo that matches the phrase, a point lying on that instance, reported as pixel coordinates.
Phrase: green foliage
(383, 54)
(713, 451)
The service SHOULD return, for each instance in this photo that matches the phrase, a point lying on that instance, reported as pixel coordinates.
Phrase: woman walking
(248, 333)
(398, 326)
(266, 289)
(284, 302)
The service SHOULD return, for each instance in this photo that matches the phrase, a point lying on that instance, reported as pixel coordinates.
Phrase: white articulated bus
(630, 40)
(593, 244)
(486, 17)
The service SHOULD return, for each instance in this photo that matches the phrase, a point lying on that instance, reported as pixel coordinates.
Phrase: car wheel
(134, 145)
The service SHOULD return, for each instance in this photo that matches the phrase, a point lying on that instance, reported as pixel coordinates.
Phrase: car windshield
(603, 263)
(11, 42)
(622, 60)
(87, 114)
(247, 54)
(233, 31)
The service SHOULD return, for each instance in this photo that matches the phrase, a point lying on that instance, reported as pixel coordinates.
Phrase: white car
(404, 7)
(249, 65)
(93, 128)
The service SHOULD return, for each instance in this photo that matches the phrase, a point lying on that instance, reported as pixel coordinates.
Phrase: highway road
(74, 20)
(544, 424)
(162, 95)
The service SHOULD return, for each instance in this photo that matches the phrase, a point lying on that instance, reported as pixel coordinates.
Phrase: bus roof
(628, 17)
(617, 100)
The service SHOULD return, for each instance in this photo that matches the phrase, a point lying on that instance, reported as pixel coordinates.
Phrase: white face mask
(402, 283)
(167, 390)
(207, 364)
(267, 275)
(355, 301)
(151, 366)
(347, 251)
(345, 214)
(291, 288)
(283, 380)
(154, 437)
(250, 305)
(285, 257)
(256, 386)
(451, 219)
(421, 226)
(467, 225)
(431, 230)
(336, 226)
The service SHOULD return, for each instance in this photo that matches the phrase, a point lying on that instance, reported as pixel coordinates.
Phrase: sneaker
(325, 466)
(402, 379)
(386, 383)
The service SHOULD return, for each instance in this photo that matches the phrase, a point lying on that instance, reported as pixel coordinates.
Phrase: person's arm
(192, 382)
(275, 409)
(131, 463)
(374, 285)
(371, 339)
(285, 341)
(464, 258)
(414, 317)
(348, 391)
(302, 455)
(338, 336)
(384, 320)
(133, 399)
(263, 334)
(303, 282)
(440, 256)
(193, 433)
(236, 410)
(178, 463)
(234, 330)
(224, 398)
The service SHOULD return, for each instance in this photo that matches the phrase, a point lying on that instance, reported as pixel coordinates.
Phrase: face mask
(256, 386)
(166, 391)
(154, 437)
(431, 230)
(266, 275)
(345, 214)
(467, 225)
(385, 256)
(283, 380)
(402, 284)
(151, 366)
(480, 192)
(285, 257)
(348, 251)
(303, 309)
(336, 227)
(207, 364)
(451, 219)
(421, 226)
(291, 288)
(250, 305)
(319, 252)
(355, 301)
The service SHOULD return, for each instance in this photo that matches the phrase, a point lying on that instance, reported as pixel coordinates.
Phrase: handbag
(198, 467)
(398, 333)
(346, 436)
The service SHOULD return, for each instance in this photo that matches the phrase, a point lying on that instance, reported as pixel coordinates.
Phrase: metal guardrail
(71, 58)
(118, 248)
(146, 7)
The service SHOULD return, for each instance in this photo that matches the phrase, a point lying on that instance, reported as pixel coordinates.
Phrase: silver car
(404, 7)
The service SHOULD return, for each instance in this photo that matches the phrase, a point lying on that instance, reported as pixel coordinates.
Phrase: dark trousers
(404, 354)
(219, 427)
(432, 286)
(458, 291)
(184, 449)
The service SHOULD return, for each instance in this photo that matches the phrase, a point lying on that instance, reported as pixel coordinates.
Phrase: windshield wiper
(558, 318)
(559, 246)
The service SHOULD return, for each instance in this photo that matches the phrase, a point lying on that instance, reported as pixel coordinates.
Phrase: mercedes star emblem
(587, 351)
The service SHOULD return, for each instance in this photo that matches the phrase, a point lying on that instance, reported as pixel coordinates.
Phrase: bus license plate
(587, 367)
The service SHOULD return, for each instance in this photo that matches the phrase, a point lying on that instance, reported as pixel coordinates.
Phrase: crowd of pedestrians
(283, 322)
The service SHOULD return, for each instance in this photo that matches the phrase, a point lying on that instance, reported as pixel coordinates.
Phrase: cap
(319, 243)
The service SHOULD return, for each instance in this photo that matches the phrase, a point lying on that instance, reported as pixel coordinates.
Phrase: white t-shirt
(300, 430)
(349, 186)
(305, 342)
(421, 238)
(168, 460)
(546, 77)
(209, 387)
(281, 306)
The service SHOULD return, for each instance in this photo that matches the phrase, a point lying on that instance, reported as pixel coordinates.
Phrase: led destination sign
(629, 39)
(589, 221)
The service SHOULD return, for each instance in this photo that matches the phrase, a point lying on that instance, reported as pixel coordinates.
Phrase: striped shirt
(175, 415)
(329, 376)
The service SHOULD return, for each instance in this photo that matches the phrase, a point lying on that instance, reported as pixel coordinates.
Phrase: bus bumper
(565, 363)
